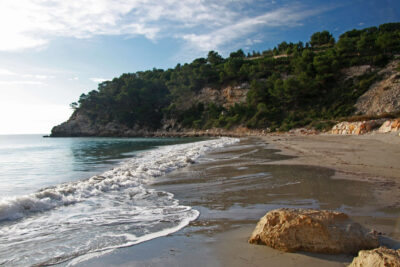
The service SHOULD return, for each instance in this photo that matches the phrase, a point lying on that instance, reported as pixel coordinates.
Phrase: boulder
(311, 230)
(380, 257)
(356, 128)
(390, 126)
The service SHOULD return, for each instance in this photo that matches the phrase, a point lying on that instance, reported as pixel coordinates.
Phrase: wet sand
(234, 187)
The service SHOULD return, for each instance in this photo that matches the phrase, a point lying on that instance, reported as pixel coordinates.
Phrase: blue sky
(52, 51)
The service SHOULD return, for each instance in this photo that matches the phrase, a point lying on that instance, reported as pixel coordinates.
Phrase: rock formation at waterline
(311, 230)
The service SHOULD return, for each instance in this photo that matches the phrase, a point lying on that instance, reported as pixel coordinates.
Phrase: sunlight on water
(69, 217)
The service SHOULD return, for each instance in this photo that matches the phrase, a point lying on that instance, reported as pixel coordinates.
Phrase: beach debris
(379, 257)
(310, 230)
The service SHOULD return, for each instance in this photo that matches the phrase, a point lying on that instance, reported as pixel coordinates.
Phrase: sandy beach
(234, 187)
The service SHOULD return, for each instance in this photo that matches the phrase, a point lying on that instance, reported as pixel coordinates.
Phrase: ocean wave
(132, 173)
(115, 209)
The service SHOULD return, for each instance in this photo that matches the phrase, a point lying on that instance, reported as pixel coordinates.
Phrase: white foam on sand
(115, 209)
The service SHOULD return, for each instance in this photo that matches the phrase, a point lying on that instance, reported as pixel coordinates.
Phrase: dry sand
(371, 158)
(233, 188)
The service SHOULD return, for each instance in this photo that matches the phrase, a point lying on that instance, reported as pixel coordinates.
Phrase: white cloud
(10, 78)
(205, 24)
(98, 80)
(223, 35)
(74, 78)
(7, 72)
(11, 83)
(38, 76)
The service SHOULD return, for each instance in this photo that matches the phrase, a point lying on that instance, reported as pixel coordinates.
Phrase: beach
(235, 186)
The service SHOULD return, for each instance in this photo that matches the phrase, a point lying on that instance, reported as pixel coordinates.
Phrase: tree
(321, 38)
(282, 47)
(74, 105)
(237, 54)
(345, 45)
(385, 41)
(214, 58)
(389, 27)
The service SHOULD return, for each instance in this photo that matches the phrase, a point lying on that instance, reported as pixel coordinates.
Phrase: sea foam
(118, 208)
(132, 173)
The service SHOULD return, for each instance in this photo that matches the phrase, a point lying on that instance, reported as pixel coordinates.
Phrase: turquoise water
(73, 198)
(31, 162)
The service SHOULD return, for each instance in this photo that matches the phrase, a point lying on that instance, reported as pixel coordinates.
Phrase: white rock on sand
(380, 257)
(390, 126)
(311, 230)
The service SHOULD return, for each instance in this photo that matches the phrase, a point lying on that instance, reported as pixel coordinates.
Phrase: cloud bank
(202, 24)
(11, 78)
(99, 80)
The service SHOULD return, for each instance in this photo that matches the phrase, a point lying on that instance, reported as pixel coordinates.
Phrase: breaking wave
(114, 209)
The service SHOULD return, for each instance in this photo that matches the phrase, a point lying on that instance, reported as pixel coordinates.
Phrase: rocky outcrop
(225, 97)
(81, 125)
(311, 230)
(384, 95)
(380, 257)
(356, 71)
(77, 125)
(356, 128)
(390, 126)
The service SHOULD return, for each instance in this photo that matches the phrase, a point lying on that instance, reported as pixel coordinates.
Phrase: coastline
(319, 171)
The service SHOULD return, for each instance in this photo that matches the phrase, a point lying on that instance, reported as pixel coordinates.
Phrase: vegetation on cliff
(292, 85)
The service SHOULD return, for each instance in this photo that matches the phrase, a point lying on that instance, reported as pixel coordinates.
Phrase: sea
(71, 198)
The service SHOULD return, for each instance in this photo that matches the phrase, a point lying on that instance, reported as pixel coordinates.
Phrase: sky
(52, 51)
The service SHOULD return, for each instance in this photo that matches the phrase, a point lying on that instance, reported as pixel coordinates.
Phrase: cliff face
(80, 123)
(383, 96)
(225, 97)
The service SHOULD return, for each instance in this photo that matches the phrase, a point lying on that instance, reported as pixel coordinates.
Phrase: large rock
(356, 128)
(390, 126)
(310, 230)
(380, 257)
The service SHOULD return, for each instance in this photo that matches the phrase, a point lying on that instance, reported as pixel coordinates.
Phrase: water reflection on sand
(242, 182)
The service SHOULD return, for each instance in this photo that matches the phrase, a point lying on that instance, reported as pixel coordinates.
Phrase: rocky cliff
(225, 97)
(80, 123)
(384, 95)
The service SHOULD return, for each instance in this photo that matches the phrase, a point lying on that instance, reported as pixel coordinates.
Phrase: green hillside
(292, 85)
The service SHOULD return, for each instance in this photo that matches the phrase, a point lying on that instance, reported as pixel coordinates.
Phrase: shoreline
(215, 132)
(230, 190)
